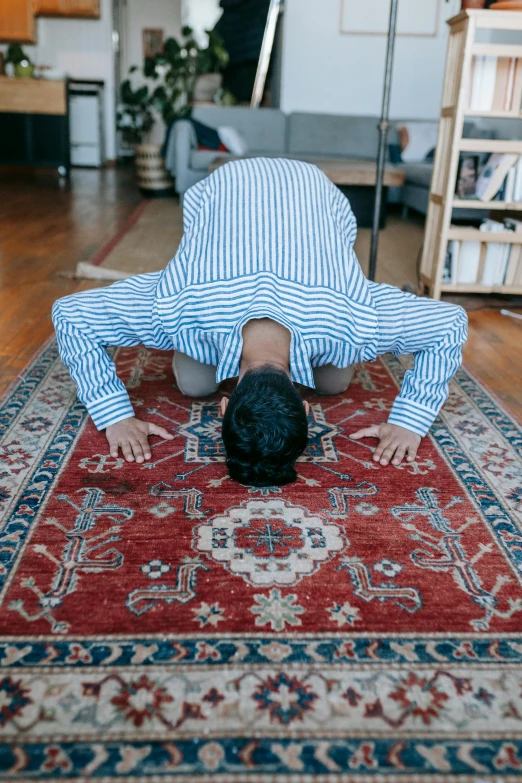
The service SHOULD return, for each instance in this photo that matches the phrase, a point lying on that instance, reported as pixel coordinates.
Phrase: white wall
(326, 71)
(83, 49)
(201, 15)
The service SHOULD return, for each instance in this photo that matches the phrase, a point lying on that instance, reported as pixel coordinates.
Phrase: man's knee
(194, 379)
(330, 380)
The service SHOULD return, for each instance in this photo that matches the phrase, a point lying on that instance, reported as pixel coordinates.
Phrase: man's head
(264, 428)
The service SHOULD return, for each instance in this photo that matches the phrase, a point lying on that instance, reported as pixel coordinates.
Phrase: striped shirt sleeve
(434, 332)
(120, 314)
(192, 201)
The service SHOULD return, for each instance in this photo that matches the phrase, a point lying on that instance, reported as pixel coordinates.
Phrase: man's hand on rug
(132, 437)
(395, 442)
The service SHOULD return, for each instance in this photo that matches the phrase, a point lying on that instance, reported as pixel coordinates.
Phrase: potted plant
(184, 73)
(174, 69)
(134, 115)
(135, 120)
(211, 63)
(22, 65)
(188, 73)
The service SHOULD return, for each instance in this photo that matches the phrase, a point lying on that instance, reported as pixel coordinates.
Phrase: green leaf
(149, 68)
(142, 94)
(159, 93)
(126, 92)
(15, 54)
(171, 49)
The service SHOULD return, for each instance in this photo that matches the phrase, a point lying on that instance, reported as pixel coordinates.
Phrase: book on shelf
(496, 84)
(449, 273)
(504, 82)
(514, 266)
(502, 260)
(516, 97)
(469, 259)
(517, 194)
(495, 262)
(509, 185)
(462, 262)
(483, 83)
(500, 178)
(493, 174)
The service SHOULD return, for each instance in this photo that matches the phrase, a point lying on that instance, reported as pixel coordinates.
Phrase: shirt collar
(300, 365)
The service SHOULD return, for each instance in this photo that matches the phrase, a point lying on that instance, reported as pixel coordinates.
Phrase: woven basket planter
(153, 177)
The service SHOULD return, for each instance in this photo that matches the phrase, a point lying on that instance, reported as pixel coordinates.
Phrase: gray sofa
(273, 133)
(269, 132)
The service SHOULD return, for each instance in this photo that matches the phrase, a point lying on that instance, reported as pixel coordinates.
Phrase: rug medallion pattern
(160, 622)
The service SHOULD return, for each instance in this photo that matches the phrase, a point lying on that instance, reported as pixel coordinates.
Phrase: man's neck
(265, 342)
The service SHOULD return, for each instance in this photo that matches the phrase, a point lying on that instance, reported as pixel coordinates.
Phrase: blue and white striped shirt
(263, 238)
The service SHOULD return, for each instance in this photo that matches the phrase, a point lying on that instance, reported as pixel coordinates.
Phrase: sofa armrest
(181, 142)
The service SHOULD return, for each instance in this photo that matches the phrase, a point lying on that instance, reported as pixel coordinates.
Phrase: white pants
(199, 380)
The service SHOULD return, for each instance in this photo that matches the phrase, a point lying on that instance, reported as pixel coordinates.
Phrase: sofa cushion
(200, 160)
(232, 139)
(263, 130)
(332, 134)
(418, 173)
(417, 140)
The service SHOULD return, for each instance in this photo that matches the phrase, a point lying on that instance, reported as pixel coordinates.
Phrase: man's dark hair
(264, 429)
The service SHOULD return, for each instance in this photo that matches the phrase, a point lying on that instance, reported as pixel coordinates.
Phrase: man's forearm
(425, 387)
(99, 388)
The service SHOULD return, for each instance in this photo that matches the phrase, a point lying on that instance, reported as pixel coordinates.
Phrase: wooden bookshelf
(475, 203)
(475, 235)
(490, 145)
(498, 115)
(462, 48)
(513, 290)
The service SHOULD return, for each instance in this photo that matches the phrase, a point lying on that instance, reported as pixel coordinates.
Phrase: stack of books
(502, 262)
(496, 84)
(500, 178)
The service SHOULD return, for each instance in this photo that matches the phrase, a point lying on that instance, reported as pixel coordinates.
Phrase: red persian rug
(160, 622)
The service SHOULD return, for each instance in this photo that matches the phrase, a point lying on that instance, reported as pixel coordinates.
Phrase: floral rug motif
(160, 622)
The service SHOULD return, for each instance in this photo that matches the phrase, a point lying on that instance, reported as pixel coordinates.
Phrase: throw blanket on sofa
(207, 138)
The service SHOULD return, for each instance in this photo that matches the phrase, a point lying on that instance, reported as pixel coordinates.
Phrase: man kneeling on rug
(265, 287)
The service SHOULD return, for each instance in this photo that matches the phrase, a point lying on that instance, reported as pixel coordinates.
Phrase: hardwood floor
(46, 228)
(493, 353)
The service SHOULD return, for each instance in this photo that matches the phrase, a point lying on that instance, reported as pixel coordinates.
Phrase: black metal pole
(384, 127)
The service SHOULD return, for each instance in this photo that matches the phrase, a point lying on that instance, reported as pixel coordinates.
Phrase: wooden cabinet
(33, 96)
(17, 16)
(16, 21)
(50, 7)
(87, 9)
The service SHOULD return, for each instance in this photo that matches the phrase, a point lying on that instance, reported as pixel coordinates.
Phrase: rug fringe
(91, 272)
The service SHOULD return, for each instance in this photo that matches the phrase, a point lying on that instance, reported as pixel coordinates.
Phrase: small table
(356, 178)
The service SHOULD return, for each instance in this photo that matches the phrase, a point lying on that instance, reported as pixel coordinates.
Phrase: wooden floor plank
(493, 353)
(45, 229)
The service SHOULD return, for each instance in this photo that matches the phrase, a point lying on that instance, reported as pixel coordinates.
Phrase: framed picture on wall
(152, 41)
(418, 18)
